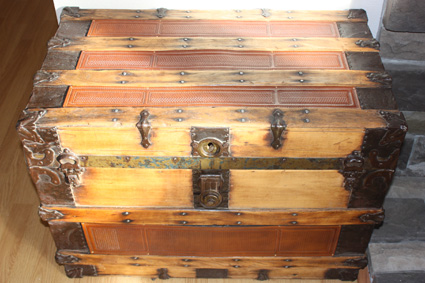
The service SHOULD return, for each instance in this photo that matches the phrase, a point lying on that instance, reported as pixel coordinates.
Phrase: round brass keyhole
(209, 148)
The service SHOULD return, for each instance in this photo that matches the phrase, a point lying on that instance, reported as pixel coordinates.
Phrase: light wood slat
(212, 43)
(241, 15)
(142, 216)
(255, 117)
(137, 78)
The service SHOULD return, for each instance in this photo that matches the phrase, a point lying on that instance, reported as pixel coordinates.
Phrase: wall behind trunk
(372, 7)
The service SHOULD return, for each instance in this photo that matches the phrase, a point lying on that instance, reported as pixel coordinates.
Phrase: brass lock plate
(210, 142)
(211, 189)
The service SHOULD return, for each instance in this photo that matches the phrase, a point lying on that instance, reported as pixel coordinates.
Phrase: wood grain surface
(27, 246)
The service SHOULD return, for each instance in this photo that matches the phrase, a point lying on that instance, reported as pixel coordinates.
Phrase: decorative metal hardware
(56, 42)
(63, 259)
(210, 142)
(49, 214)
(278, 126)
(71, 12)
(343, 274)
(357, 14)
(263, 275)
(41, 146)
(78, 271)
(43, 76)
(372, 43)
(265, 13)
(211, 273)
(382, 78)
(69, 236)
(373, 218)
(144, 128)
(368, 173)
(356, 262)
(70, 167)
(211, 188)
(163, 273)
(160, 13)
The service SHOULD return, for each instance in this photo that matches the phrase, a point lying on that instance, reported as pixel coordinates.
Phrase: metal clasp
(70, 167)
(278, 126)
(144, 128)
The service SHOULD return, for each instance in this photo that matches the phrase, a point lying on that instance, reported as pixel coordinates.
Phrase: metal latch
(278, 126)
(211, 188)
(210, 142)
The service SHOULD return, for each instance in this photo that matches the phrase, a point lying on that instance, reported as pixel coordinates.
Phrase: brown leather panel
(210, 96)
(211, 28)
(212, 241)
(296, 241)
(213, 59)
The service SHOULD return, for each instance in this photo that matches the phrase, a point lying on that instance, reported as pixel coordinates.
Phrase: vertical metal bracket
(144, 128)
(278, 126)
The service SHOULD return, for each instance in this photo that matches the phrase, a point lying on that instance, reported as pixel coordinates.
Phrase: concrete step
(403, 277)
(407, 187)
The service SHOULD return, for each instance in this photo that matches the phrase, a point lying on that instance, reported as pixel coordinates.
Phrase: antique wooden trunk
(212, 144)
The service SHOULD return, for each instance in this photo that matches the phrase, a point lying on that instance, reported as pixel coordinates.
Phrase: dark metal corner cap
(357, 14)
(71, 12)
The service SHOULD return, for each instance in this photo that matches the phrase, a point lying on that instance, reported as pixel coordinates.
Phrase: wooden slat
(212, 43)
(242, 15)
(287, 189)
(150, 216)
(255, 117)
(138, 78)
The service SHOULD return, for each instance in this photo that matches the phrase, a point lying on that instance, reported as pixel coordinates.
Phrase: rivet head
(130, 46)
(138, 11)
(124, 73)
(182, 73)
(185, 39)
(135, 257)
(125, 213)
(179, 119)
(179, 110)
(116, 110)
(236, 266)
(238, 11)
(188, 17)
(301, 81)
(295, 46)
(236, 259)
(183, 213)
(186, 260)
(186, 265)
(242, 81)
(300, 73)
(114, 119)
(137, 16)
(123, 82)
(307, 120)
(306, 111)
(238, 17)
(294, 214)
(294, 39)
(294, 222)
(184, 46)
(240, 46)
(286, 266)
(182, 82)
(238, 214)
(243, 120)
(241, 73)
(242, 110)
(239, 223)
(127, 220)
(131, 38)
(187, 11)
(184, 222)
(240, 39)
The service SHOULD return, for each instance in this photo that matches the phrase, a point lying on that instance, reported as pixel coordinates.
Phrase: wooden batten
(209, 43)
(139, 78)
(149, 216)
(76, 14)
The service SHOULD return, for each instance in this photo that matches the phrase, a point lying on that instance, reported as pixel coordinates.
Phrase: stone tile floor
(397, 248)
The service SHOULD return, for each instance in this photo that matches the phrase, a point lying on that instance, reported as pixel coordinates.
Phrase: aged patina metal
(160, 13)
(41, 147)
(144, 128)
(211, 163)
(65, 259)
(70, 167)
(163, 273)
(357, 14)
(382, 77)
(73, 12)
(265, 13)
(78, 271)
(210, 142)
(69, 236)
(49, 214)
(211, 189)
(211, 273)
(373, 218)
(278, 126)
(372, 43)
(263, 275)
(342, 274)
(44, 76)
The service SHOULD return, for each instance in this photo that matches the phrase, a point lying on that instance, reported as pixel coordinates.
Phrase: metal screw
(300, 73)
(175, 158)
(287, 266)
(283, 159)
(125, 213)
(114, 119)
(179, 119)
(242, 110)
(239, 223)
(184, 222)
(188, 16)
(242, 81)
(307, 120)
(186, 260)
(241, 73)
(238, 214)
(179, 111)
(123, 82)
(130, 46)
(131, 38)
(240, 46)
(236, 266)
(182, 82)
(240, 39)
(301, 81)
(306, 111)
(184, 46)
(243, 120)
(127, 221)
(288, 260)
(182, 73)
(124, 73)
(116, 110)
(135, 257)
(185, 39)
(183, 213)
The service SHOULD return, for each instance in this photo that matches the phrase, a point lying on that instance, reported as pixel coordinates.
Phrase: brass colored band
(211, 163)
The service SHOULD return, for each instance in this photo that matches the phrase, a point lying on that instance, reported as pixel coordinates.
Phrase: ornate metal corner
(56, 42)
(70, 167)
(263, 275)
(163, 273)
(71, 12)
(69, 236)
(160, 13)
(78, 271)
(371, 43)
(49, 214)
(265, 13)
(41, 146)
(357, 14)
(381, 78)
(63, 259)
(352, 170)
(43, 76)
(356, 262)
(373, 218)
(210, 142)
